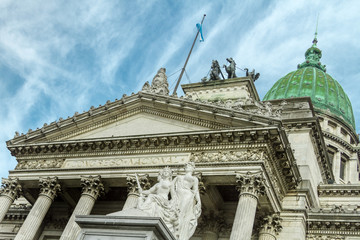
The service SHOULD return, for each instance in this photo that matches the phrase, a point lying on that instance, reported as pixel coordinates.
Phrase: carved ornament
(212, 222)
(132, 184)
(40, 164)
(159, 84)
(251, 183)
(49, 187)
(92, 186)
(229, 156)
(271, 224)
(11, 188)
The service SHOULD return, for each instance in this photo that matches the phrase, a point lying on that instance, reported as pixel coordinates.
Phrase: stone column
(250, 186)
(270, 227)
(211, 224)
(133, 189)
(48, 190)
(91, 190)
(10, 190)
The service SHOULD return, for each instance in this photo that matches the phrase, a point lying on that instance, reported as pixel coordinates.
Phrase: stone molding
(251, 183)
(271, 224)
(49, 187)
(11, 188)
(177, 140)
(339, 190)
(132, 185)
(335, 221)
(322, 237)
(92, 186)
(18, 212)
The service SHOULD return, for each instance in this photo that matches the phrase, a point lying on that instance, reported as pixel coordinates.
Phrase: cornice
(257, 113)
(155, 141)
(337, 139)
(339, 190)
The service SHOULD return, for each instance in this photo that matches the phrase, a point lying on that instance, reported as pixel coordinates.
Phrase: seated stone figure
(155, 201)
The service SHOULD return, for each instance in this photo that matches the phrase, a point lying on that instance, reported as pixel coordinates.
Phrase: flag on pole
(199, 27)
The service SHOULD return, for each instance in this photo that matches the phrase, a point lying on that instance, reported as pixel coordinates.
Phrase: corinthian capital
(212, 221)
(92, 186)
(133, 184)
(49, 187)
(10, 187)
(251, 183)
(271, 224)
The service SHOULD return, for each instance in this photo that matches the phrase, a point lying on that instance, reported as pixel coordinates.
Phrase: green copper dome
(311, 80)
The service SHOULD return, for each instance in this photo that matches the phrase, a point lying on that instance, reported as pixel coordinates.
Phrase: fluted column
(92, 188)
(211, 224)
(270, 227)
(250, 186)
(10, 190)
(133, 189)
(48, 190)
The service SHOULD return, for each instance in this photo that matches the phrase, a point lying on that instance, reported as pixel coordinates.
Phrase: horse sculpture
(231, 68)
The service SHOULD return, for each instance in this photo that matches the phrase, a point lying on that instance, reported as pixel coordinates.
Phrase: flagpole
(187, 59)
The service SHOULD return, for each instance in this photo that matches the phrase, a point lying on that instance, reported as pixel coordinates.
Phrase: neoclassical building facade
(286, 167)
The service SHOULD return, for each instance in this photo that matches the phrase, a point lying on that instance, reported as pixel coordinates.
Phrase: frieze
(229, 156)
(173, 159)
(39, 164)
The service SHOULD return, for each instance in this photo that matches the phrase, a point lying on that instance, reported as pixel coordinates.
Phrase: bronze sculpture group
(215, 71)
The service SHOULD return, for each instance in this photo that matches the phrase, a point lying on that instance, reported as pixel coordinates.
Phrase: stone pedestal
(48, 190)
(10, 190)
(91, 189)
(251, 185)
(122, 228)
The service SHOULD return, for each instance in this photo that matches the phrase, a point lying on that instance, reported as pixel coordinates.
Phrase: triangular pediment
(145, 114)
(141, 124)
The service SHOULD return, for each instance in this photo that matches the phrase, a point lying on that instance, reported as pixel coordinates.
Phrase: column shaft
(244, 218)
(83, 207)
(5, 203)
(131, 201)
(34, 219)
(10, 190)
(266, 236)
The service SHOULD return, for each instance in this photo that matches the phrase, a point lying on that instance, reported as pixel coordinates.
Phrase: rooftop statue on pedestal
(231, 68)
(215, 71)
(252, 74)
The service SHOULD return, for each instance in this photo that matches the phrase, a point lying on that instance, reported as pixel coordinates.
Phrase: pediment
(141, 124)
(143, 114)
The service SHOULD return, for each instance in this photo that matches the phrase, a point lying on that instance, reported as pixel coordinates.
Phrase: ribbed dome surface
(324, 91)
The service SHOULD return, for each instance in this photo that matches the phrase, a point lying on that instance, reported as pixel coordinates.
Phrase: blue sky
(62, 57)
